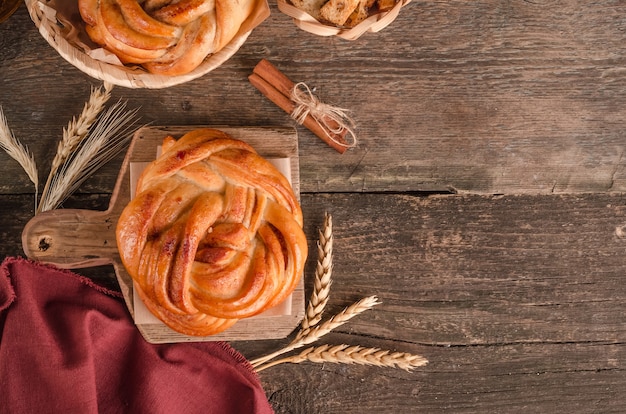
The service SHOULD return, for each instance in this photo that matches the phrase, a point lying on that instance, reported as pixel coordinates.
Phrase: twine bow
(333, 120)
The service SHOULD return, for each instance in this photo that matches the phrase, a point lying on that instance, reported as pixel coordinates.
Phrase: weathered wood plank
(517, 301)
(482, 97)
(467, 269)
(509, 378)
(482, 270)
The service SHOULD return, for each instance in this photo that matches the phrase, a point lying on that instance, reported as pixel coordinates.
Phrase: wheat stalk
(19, 152)
(106, 138)
(77, 130)
(323, 276)
(307, 336)
(311, 329)
(321, 292)
(345, 354)
(316, 332)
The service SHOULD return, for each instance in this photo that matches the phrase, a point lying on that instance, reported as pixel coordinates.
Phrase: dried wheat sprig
(313, 334)
(320, 295)
(107, 137)
(345, 354)
(77, 130)
(323, 276)
(19, 152)
(307, 336)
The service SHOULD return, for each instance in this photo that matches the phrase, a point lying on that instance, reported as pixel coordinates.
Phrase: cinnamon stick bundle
(277, 87)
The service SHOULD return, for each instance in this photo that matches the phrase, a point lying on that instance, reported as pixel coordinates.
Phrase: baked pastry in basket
(343, 13)
(213, 234)
(166, 37)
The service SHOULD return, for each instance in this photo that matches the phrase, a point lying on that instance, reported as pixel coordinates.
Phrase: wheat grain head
(345, 354)
(106, 138)
(19, 152)
(323, 276)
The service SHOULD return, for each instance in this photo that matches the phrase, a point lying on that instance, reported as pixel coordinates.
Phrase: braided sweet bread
(166, 37)
(214, 234)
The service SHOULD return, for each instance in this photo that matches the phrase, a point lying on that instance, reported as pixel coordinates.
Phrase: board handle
(71, 238)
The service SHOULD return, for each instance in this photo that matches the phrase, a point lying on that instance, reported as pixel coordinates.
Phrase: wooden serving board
(72, 239)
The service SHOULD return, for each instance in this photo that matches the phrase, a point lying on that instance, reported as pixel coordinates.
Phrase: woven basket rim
(133, 78)
(309, 24)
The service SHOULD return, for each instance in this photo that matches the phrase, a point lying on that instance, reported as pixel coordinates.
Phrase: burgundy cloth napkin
(70, 346)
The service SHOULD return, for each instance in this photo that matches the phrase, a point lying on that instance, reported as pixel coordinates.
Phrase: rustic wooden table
(485, 204)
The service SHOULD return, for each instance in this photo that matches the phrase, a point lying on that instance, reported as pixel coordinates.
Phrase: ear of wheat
(19, 152)
(345, 354)
(88, 142)
(106, 138)
(310, 335)
(323, 276)
(319, 297)
(307, 336)
(312, 329)
(76, 131)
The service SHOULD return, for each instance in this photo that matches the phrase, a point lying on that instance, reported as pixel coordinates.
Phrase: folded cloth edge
(6, 286)
(8, 296)
(6, 302)
(82, 279)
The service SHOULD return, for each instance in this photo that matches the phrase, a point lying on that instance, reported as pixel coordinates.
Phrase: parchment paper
(142, 314)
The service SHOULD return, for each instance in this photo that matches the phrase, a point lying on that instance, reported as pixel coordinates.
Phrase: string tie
(333, 120)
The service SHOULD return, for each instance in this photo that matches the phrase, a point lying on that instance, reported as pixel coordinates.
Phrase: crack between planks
(421, 194)
(514, 343)
(484, 344)
(615, 171)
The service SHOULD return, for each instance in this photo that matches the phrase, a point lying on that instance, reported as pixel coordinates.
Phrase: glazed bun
(165, 37)
(213, 234)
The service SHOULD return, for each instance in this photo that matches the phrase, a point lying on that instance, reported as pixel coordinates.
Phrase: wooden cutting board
(72, 239)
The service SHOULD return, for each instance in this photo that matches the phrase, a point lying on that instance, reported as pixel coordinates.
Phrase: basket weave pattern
(372, 24)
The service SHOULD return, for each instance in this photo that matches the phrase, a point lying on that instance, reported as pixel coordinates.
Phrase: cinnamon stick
(280, 81)
(270, 72)
(277, 87)
(287, 105)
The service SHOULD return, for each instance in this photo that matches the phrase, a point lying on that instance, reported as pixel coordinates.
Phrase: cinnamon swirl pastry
(167, 37)
(213, 234)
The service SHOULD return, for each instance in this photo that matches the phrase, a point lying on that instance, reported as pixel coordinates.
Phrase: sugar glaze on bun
(165, 37)
(213, 234)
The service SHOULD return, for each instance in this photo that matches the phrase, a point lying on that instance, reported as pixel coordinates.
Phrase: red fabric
(70, 346)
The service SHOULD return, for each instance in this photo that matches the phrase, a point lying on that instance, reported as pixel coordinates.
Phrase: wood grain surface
(485, 204)
(481, 97)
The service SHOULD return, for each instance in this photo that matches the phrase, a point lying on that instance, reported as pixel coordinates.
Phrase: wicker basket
(373, 23)
(59, 23)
